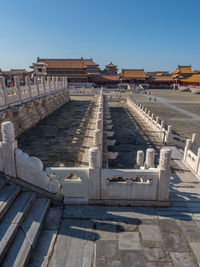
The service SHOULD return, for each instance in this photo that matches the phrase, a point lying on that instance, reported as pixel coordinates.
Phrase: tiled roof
(111, 65)
(195, 78)
(184, 69)
(63, 63)
(106, 77)
(162, 78)
(133, 73)
(89, 62)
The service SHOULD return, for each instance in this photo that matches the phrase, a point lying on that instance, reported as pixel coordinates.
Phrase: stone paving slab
(185, 259)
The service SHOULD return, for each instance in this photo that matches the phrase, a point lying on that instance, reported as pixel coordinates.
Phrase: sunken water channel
(59, 139)
(130, 137)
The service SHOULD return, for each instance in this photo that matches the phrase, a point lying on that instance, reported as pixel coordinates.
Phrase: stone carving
(8, 133)
(30, 169)
(165, 159)
(140, 159)
(124, 180)
(109, 133)
(150, 156)
(112, 155)
(94, 158)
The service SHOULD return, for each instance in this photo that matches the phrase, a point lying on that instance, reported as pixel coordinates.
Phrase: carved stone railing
(154, 124)
(18, 94)
(191, 156)
(94, 184)
(73, 91)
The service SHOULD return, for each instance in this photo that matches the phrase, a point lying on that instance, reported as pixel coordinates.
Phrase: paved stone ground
(59, 139)
(96, 236)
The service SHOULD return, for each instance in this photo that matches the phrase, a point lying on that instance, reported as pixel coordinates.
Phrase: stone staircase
(22, 215)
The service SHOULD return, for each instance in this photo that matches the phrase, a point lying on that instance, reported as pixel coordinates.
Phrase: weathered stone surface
(191, 233)
(129, 241)
(156, 254)
(185, 259)
(175, 242)
(44, 248)
(53, 218)
(12, 220)
(7, 196)
(108, 212)
(106, 230)
(169, 226)
(74, 245)
(159, 264)
(17, 254)
(150, 232)
(135, 258)
(20, 249)
(107, 253)
(195, 246)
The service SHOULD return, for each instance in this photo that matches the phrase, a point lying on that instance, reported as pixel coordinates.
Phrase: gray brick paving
(135, 236)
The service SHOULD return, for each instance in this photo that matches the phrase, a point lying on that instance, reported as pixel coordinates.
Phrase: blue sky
(149, 34)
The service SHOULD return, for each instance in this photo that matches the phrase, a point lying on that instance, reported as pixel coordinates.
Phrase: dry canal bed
(130, 136)
(60, 139)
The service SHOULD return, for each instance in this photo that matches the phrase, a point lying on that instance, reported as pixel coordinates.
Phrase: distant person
(155, 99)
(150, 98)
(13, 83)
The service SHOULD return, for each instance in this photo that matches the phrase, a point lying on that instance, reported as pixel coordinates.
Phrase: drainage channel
(130, 135)
(60, 139)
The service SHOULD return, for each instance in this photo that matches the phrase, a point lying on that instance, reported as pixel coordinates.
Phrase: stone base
(137, 203)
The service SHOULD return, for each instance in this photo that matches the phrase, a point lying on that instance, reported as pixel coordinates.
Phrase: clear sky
(149, 34)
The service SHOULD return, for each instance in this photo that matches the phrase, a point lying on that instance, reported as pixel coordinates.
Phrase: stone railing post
(188, 146)
(8, 146)
(150, 157)
(17, 85)
(94, 173)
(164, 174)
(140, 159)
(36, 83)
(197, 167)
(28, 83)
(162, 125)
(5, 91)
(168, 137)
(42, 79)
(49, 82)
(194, 146)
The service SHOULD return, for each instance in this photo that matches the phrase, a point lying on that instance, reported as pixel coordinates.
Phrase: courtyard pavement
(169, 103)
(116, 236)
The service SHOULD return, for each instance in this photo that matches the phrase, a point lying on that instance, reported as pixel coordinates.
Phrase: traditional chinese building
(105, 79)
(160, 80)
(133, 76)
(182, 72)
(193, 81)
(91, 66)
(110, 69)
(20, 73)
(74, 69)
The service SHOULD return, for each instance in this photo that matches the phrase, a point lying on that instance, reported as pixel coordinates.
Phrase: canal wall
(25, 105)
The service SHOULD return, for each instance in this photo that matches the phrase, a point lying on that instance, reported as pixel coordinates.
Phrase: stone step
(7, 195)
(2, 183)
(13, 219)
(19, 252)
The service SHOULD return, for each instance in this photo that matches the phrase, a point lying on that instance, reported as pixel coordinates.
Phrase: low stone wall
(26, 105)
(154, 124)
(191, 156)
